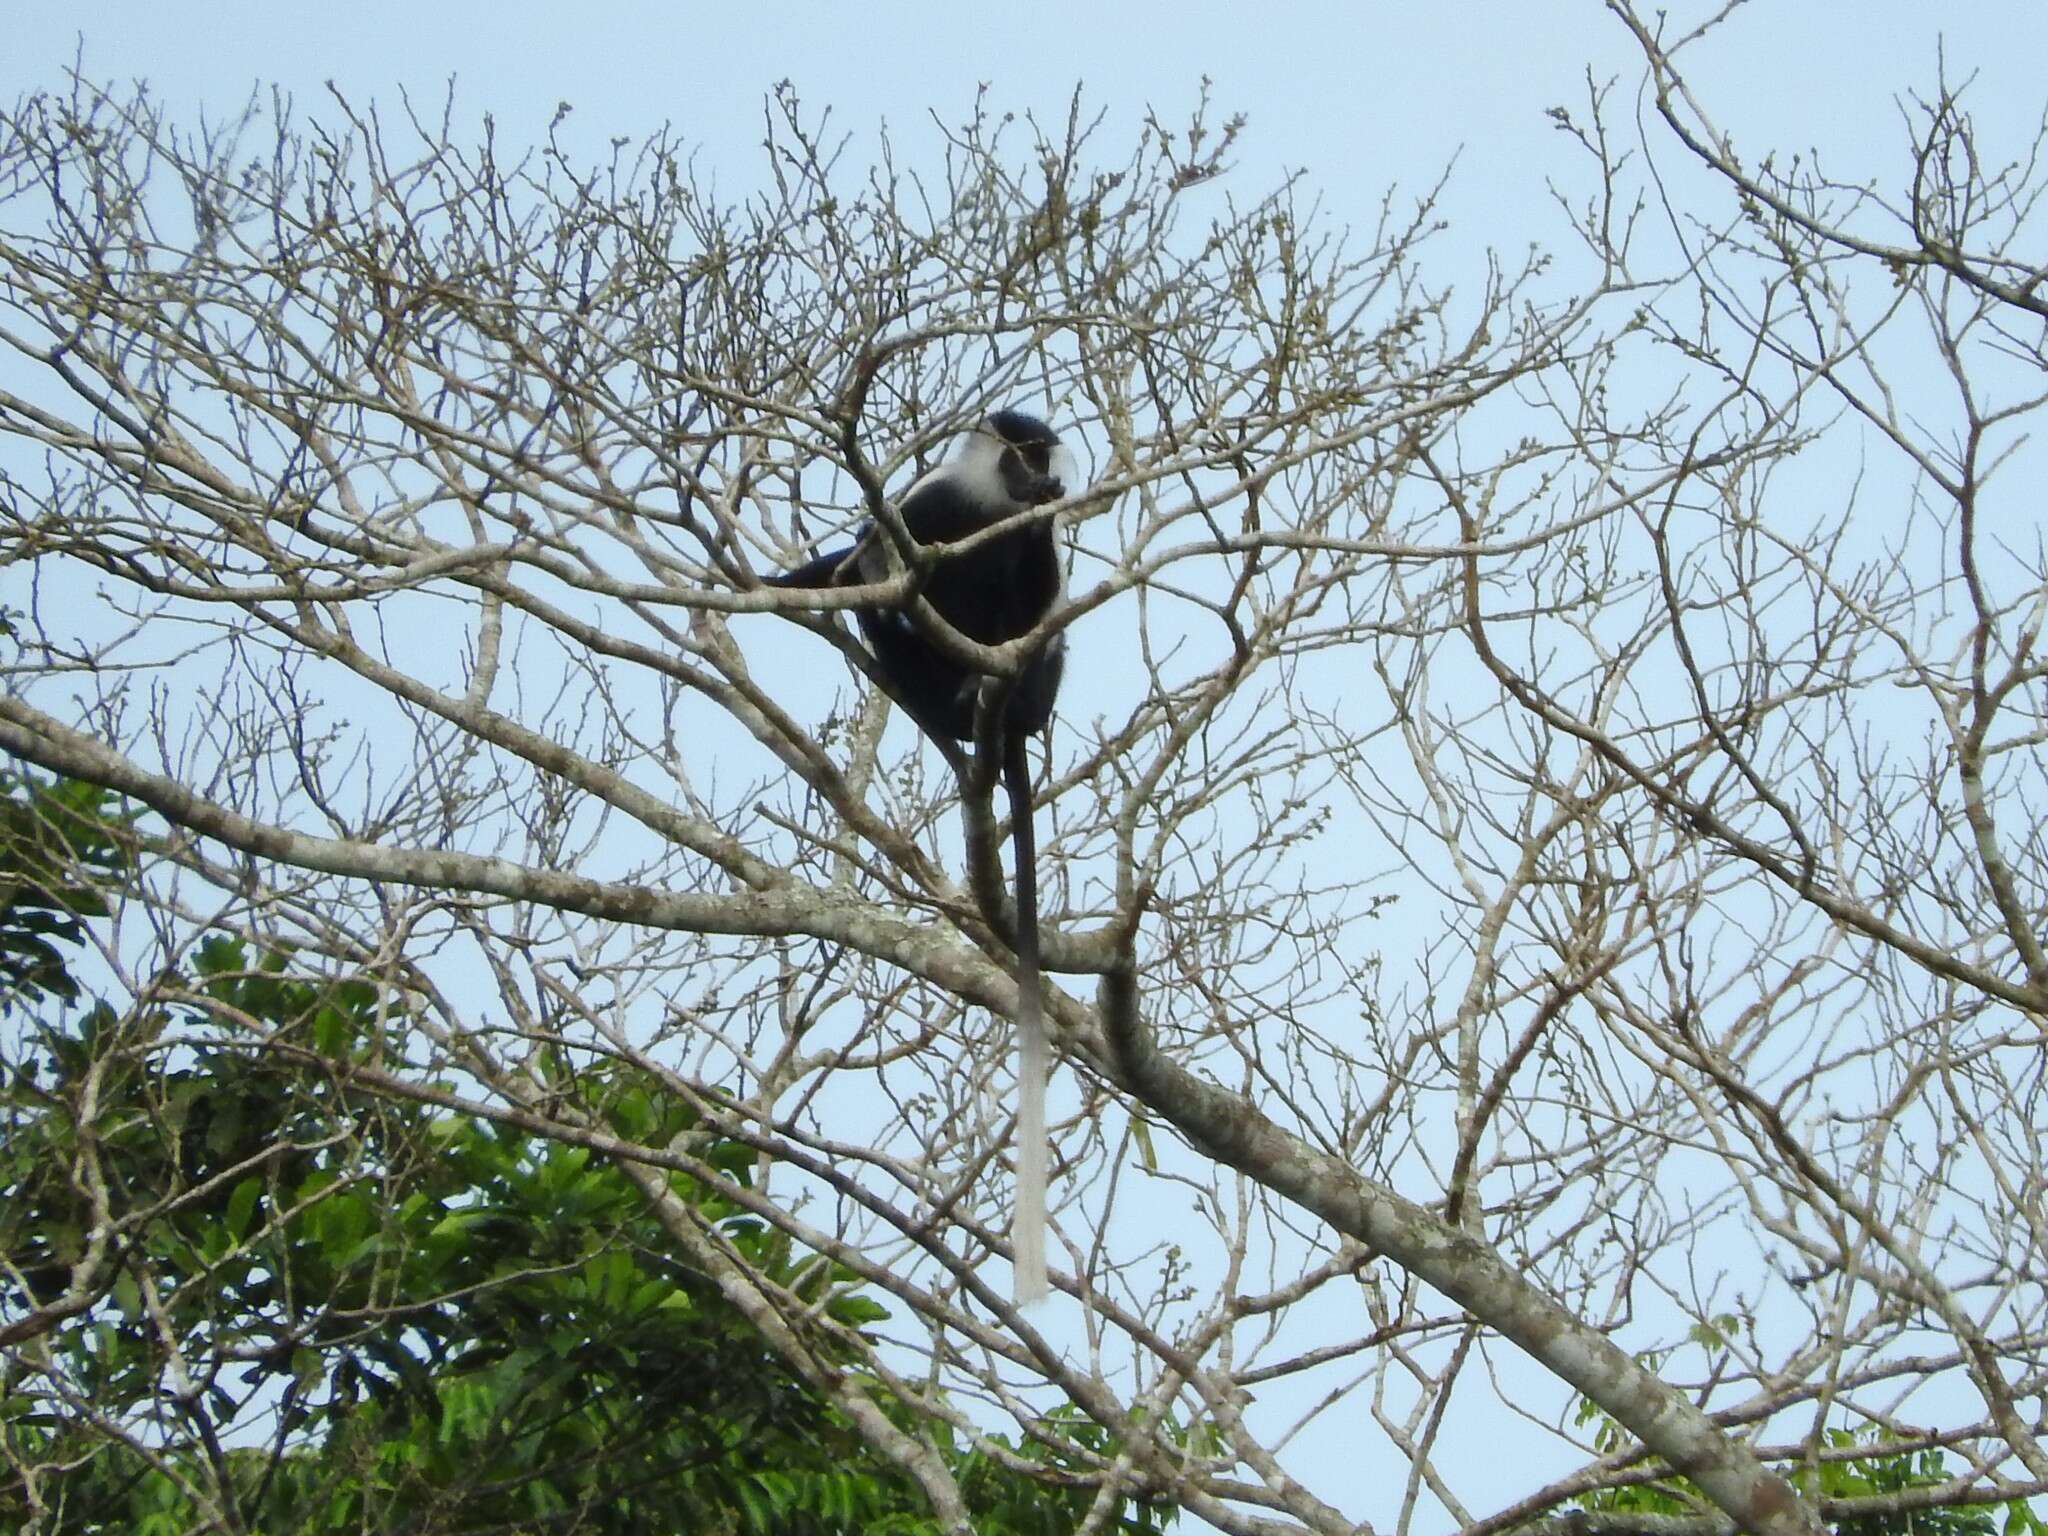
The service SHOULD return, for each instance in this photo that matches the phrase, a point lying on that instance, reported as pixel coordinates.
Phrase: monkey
(997, 592)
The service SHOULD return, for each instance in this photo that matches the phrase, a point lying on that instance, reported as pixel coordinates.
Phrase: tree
(1540, 854)
(256, 1297)
(60, 851)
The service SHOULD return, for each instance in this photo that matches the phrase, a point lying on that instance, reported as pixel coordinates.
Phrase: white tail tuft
(1027, 1230)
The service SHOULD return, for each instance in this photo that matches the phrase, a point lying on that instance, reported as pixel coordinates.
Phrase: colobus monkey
(996, 592)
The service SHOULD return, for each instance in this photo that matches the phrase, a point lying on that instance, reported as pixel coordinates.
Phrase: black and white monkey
(1000, 590)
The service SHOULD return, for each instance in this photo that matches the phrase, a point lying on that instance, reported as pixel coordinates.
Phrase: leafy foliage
(1883, 1469)
(321, 1310)
(61, 842)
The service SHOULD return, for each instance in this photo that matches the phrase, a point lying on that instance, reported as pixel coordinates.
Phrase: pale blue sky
(1358, 95)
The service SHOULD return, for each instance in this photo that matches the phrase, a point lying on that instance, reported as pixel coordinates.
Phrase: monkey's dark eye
(1037, 457)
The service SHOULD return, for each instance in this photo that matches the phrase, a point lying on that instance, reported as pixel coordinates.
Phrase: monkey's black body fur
(997, 592)
(994, 593)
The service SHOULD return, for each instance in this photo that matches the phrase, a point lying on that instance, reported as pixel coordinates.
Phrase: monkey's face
(1035, 472)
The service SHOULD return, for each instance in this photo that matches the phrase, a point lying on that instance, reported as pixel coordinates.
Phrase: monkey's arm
(819, 571)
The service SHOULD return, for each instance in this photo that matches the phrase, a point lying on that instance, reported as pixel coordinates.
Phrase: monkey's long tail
(1027, 1230)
